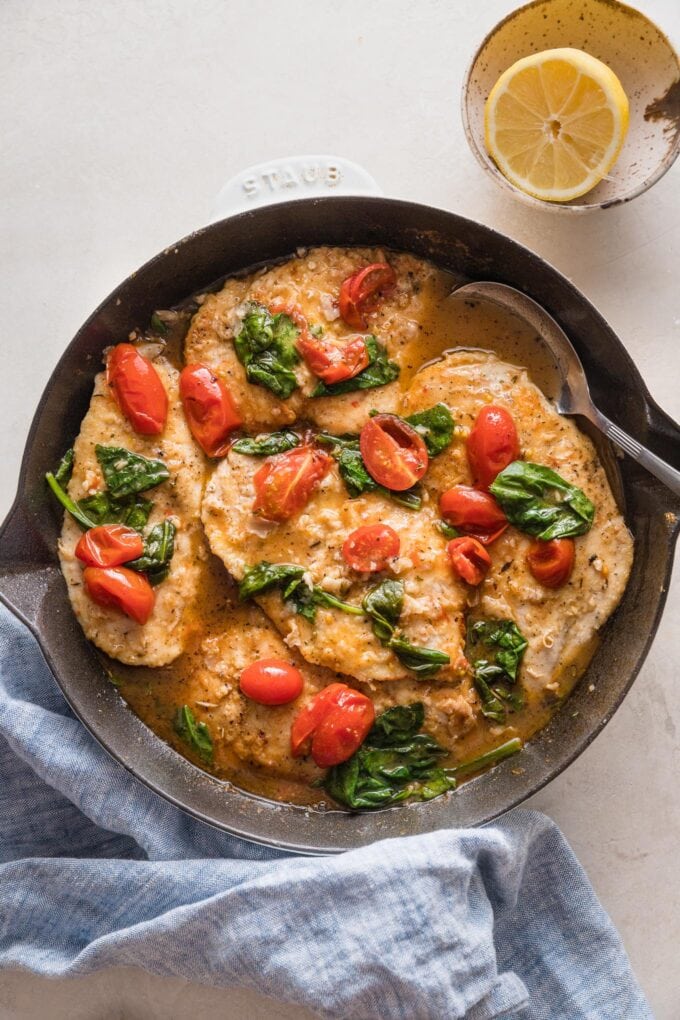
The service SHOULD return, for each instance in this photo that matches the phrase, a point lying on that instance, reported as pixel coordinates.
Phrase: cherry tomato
(120, 588)
(474, 512)
(370, 547)
(209, 409)
(138, 389)
(109, 545)
(551, 563)
(285, 482)
(360, 292)
(492, 444)
(334, 361)
(271, 682)
(333, 725)
(393, 452)
(469, 559)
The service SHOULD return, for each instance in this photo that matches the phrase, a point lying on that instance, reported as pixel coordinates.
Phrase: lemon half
(555, 122)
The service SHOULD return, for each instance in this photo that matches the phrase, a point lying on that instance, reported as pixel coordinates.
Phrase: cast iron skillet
(31, 584)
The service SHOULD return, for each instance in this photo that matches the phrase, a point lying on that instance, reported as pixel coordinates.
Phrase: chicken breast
(172, 620)
(311, 282)
(558, 623)
(433, 603)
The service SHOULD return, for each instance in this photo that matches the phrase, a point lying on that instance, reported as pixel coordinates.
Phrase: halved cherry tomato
(334, 360)
(393, 452)
(122, 589)
(469, 559)
(370, 547)
(333, 725)
(551, 563)
(285, 482)
(474, 512)
(271, 682)
(209, 409)
(492, 444)
(109, 545)
(138, 389)
(360, 292)
(331, 360)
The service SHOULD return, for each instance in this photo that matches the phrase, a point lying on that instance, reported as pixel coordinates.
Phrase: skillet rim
(656, 419)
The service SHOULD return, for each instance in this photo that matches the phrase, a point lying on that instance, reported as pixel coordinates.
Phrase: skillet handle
(27, 567)
(281, 180)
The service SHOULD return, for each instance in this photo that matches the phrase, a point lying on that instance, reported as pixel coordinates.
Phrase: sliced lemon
(555, 122)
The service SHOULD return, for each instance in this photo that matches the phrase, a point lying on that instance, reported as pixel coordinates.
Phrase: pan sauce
(155, 694)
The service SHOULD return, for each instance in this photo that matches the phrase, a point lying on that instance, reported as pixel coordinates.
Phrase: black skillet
(31, 584)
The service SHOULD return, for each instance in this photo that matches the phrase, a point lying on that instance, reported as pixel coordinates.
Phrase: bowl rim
(490, 168)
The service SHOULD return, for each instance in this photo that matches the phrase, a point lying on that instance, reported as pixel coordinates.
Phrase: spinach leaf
(126, 473)
(264, 576)
(102, 508)
(195, 734)
(435, 426)
(267, 445)
(379, 371)
(410, 499)
(483, 761)
(502, 646)
(158, 325)
(447, 530)
(65, 469)
(345, 450)
(159, 546)
(424, 662)
(398, 724)
(394, 763)
(501, 640)
(540, 502)
(78, 512)
(305, 601)
(383, 604)
(288, 577)
(266, 348)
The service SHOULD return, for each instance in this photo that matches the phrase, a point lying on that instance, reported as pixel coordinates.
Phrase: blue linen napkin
(98, 871)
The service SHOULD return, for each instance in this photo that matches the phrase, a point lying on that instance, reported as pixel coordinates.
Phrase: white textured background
(120, 122)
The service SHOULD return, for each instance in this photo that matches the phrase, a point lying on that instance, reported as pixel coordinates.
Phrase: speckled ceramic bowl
(628, 42)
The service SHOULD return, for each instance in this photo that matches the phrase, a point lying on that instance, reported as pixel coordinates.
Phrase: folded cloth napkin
(97, 871)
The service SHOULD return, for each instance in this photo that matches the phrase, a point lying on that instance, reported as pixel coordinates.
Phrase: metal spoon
(574, 396)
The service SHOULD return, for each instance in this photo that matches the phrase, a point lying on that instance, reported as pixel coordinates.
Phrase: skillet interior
(31, 583)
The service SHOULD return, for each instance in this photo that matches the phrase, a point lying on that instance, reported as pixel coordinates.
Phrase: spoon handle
(658, 467)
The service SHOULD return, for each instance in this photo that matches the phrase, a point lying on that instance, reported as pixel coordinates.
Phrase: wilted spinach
(435, 426)
(345, 450)
(159, 547)
(496, 649)
(264, 576)
(540, 502)
(383, 604)
(101, 507)
(65, 468)
(379, 371)
(266, 348)
(394, 763)
(195, 734)
(267, 445)
(127, 473)
(288, 578)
